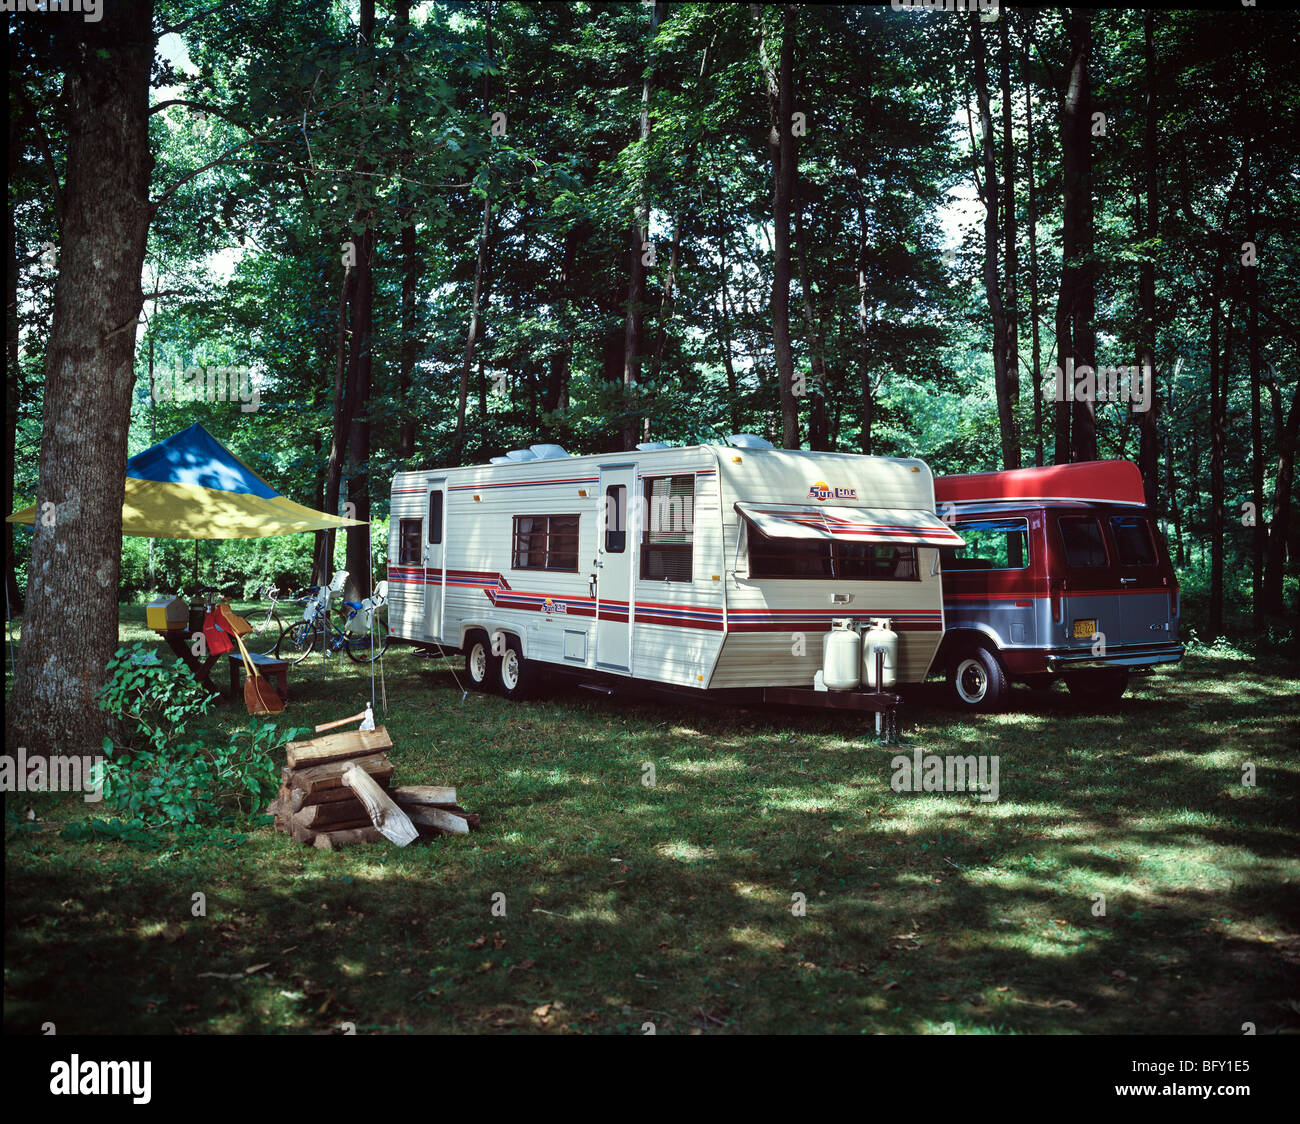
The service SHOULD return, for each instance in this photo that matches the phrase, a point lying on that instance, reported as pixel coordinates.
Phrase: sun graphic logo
(823, 491)
(549, 606)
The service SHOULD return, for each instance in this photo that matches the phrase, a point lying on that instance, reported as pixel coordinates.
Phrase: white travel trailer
(711, 567)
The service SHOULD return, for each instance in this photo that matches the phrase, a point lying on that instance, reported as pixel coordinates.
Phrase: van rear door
(1090, 604)
(1141, 584)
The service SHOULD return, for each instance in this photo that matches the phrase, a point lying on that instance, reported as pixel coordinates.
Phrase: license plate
(1085, 630)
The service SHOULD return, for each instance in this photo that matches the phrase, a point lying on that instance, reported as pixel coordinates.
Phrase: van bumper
(1130, 656)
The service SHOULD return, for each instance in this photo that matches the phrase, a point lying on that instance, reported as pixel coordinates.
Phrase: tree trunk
(1279, 524)
(992, 289)
(1218, 442)
(1150, 442)
(344, 404)
(357, 556)
(1032, 219)
(817, 423)
(13, 386)
(639, 236)
(480, 257)
(1259, 533)
(1011, 362)
(410, 274)
(70, 628)
(724, 317)
(782, 145)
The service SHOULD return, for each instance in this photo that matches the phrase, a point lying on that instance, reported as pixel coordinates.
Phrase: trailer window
(1084, 546)
(408, 542)
(545, 542)
(775, 557)
(615, 521)
(669, 528)
(435, 517)
(991, 544)
(1133, 543)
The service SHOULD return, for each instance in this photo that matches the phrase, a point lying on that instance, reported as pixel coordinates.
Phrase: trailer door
(435, 575)
(616, 544)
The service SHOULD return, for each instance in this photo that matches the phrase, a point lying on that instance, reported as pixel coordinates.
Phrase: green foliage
(156, 776)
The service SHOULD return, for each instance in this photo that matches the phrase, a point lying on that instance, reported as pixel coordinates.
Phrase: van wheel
(482, 668)
(518, 677)
(1103, 686)
(976, 680)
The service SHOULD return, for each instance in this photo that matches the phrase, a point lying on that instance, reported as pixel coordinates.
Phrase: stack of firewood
(337, 790)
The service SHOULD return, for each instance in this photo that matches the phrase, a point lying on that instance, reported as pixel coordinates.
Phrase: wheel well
(961, 640)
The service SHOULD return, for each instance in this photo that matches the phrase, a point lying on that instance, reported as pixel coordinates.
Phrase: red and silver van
(1064, 574)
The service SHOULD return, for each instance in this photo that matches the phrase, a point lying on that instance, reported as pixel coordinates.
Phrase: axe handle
(340, 722)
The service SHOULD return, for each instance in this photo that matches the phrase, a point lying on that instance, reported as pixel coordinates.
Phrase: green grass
(671, 904)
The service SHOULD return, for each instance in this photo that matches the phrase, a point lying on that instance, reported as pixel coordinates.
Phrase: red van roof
(1094, 481)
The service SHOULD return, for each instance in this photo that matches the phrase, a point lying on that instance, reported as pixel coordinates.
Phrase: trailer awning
(907, 526)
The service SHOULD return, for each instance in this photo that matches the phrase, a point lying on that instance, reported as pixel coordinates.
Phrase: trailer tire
(482, 668)
(976, 680)
(517, 678)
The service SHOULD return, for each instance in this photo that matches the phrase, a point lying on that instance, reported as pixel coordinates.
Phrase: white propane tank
(880, 637)
(840, 655)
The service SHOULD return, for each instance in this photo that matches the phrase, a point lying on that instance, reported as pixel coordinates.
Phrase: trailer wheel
(1099, 687)
(976, 680)
(482, 668)
(517, 677)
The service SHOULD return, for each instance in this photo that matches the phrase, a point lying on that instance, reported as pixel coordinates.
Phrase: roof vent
(652, 446)
(749, 441)
(520, 455)
(502, 460)
(548, 452)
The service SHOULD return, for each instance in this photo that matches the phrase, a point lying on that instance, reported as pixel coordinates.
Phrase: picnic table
(178, 640)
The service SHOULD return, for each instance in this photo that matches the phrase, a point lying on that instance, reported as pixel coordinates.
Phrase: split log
(318, 778)
(337, 813)
(338, 747)
(299, 798)
(447, 822)
(333, 840)
(392, 822)
(423, 794)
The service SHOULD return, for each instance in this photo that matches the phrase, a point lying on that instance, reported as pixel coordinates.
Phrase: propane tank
(880, 637)
(840, 649)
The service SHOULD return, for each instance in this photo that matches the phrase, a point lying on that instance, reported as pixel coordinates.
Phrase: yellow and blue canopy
(191, 486)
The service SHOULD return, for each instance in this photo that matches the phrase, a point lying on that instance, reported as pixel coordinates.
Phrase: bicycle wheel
(360, 649)
(295, 642)
(267, 630)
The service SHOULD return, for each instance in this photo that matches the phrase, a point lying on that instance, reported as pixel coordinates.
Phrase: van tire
(976, 680)
(482, 668)
(517, 678)
(1100, 687)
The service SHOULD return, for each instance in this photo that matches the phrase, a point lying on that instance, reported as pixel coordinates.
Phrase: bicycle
(354, 636)
(267, 625)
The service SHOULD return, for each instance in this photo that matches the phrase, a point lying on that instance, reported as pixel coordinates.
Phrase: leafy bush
(160, 779)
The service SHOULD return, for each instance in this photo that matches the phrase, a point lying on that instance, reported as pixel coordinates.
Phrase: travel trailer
(1063, 573)
(710, 568)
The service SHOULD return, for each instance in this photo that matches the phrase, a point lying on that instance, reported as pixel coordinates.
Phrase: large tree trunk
(1259, 533)
(1218, 444)
(1076, 426)
(357, 557)
(817, 390)
(992, 287)
(410, 273)
(70, 628)
(1011, 360)
(638, 236)
(1149, 439)
(13, 384)
(1032, 219)
(782, 145)
(1279, 524)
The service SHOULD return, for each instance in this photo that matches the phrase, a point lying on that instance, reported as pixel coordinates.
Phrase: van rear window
(1133, 540)
(1084, 546)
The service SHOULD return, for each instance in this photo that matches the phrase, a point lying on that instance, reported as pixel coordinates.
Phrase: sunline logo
(92, 11)
(75, 1077)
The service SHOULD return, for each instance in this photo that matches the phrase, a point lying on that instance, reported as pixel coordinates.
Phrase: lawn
(674, 904)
